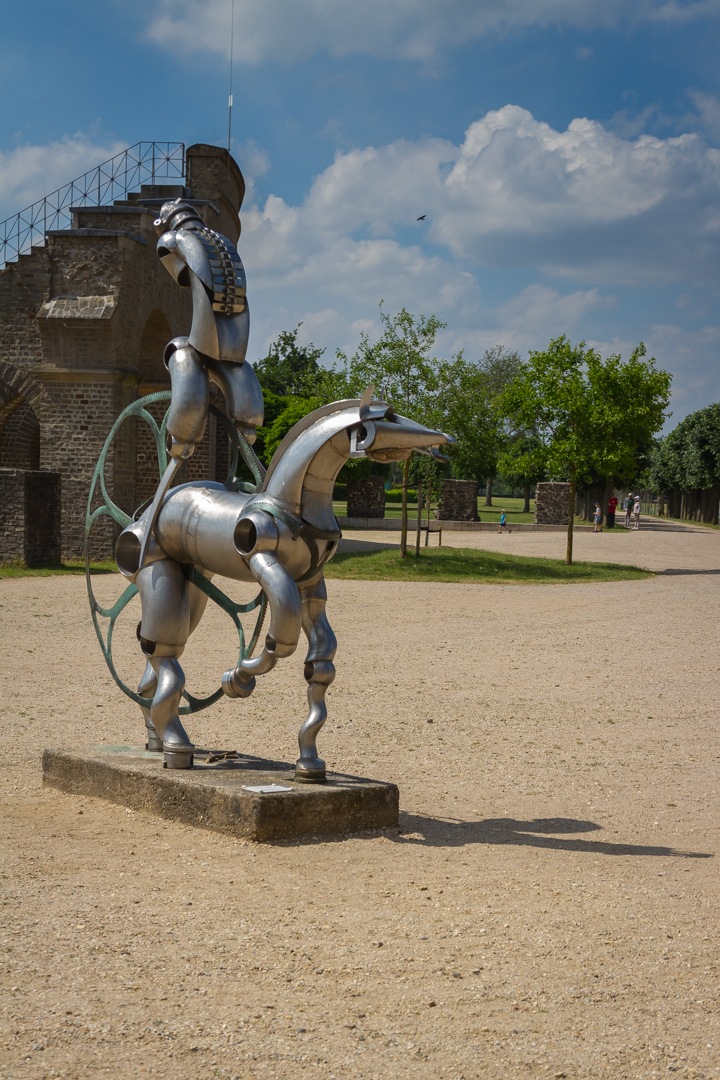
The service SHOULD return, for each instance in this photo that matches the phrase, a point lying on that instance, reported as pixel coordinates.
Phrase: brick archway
(20, 440)
(19, 425)
(155, 336)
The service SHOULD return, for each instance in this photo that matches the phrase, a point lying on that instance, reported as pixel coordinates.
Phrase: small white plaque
(266, 789)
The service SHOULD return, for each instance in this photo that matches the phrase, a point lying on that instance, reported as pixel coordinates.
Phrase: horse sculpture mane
(280, 535)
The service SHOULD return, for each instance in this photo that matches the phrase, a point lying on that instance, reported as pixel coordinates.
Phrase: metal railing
(143, 163)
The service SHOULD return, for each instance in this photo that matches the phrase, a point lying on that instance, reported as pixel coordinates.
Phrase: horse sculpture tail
(285, 624)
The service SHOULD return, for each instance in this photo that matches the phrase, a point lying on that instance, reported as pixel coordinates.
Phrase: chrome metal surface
(280, 538)
(147, 533)
(208, 264)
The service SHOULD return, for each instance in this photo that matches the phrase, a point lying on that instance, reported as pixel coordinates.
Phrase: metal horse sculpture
(280, 536)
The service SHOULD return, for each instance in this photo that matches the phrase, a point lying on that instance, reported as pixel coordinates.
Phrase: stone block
(458, 501)
(366, 498)
(29, 516)
(217, 796)
(552, 503)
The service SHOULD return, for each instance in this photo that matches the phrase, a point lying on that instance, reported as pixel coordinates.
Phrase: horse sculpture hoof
(310, 771)
(154, 742)
(178, 755)
(236, 687)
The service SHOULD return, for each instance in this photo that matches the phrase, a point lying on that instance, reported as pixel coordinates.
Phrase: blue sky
(565, 153)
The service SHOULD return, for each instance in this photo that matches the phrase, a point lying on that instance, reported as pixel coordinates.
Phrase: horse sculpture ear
(365, 400)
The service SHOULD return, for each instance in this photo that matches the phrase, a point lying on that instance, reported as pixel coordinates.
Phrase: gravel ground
(549, 907)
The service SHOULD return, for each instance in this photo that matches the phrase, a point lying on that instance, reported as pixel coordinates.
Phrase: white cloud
(27, 173)
(708, 114)
(253, 160)
(291, 30)
(578, 203)
(592, 209)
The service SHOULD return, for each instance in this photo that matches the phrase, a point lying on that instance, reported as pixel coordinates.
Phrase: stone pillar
(458, 501)
(552, 502)
(29, 516)
(366, 498)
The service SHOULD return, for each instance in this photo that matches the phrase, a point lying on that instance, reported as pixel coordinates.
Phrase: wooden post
(571, 520)
(403, 530)
(419, 517)
(429, 501)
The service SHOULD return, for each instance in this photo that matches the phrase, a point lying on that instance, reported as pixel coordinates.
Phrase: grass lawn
(468, 564)
(71, 567)
(512, 507)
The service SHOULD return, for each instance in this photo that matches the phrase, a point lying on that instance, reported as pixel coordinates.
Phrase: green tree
(294, 410)
(688, 458)
(401, 365)
(520, 465)
(289, 368)
(589, 414)
(469, 406)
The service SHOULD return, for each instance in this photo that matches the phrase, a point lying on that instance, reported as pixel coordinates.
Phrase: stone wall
(366, 498)
(552, 502)
(458, 501)
(29, 516)
(83, 322)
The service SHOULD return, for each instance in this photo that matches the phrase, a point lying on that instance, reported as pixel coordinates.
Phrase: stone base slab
(215, 796)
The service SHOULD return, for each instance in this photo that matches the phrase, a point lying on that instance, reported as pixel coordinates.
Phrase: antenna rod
(230, 96)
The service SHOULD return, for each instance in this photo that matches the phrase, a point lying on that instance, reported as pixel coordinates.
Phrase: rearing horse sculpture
(280, 537)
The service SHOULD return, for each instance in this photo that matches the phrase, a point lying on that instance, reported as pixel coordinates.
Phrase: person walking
(597, 518)
(612, 507)
(636, 512)
(628, 505)
(503, 522)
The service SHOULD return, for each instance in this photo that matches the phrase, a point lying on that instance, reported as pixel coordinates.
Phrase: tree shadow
(554, 834)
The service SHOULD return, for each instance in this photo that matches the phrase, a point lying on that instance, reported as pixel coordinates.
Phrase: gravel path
(548, 909)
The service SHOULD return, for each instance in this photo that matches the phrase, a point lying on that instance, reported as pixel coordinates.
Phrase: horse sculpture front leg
(163, 632)
(146, 688)
(319, 673)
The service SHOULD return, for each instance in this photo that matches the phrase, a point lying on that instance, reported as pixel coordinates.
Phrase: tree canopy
(401, 366)
(468, 409)
(289, 368)
(589, 414)
(688, 458)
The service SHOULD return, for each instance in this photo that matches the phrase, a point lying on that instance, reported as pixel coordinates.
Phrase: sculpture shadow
(553, 834)
(675, 571)
(351, 546)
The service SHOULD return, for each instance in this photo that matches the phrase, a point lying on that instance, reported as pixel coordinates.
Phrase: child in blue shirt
(503, 522)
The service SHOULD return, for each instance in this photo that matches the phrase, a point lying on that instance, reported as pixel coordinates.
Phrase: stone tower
(84, 320)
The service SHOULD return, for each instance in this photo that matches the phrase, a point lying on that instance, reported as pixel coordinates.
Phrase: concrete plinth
(215, 796)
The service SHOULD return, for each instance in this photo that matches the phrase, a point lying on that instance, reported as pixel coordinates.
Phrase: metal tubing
(319, 673)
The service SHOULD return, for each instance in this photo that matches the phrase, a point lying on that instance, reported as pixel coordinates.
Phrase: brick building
(84, 320)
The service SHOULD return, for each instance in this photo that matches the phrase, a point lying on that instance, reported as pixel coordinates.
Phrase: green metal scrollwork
(107, 508)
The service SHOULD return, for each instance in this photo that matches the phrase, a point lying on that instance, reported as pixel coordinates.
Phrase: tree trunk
(526, 496)
(661, 505)
(403, 531)
(571, 518)
(488, 492)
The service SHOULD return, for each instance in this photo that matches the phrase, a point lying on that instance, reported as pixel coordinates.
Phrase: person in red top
(612, 507)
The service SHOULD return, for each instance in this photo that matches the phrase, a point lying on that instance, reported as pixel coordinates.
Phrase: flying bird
(422, 217)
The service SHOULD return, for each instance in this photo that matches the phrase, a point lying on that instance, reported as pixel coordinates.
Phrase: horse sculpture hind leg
(319, 673)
